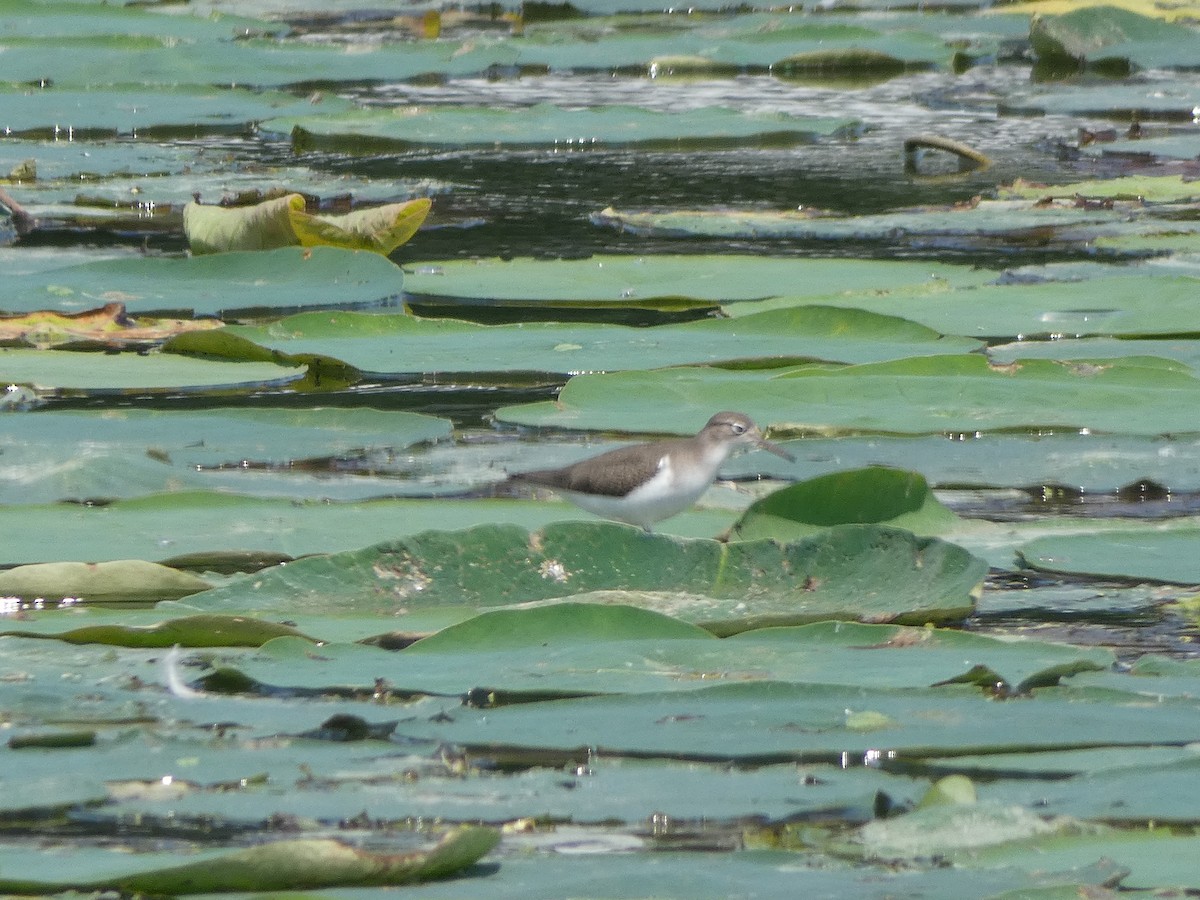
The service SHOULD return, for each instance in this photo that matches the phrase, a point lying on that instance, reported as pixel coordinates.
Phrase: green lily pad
(384, 344)
(172, 524)
(283, 280)
(1141, 554)
(912, 396)
(302, 864)
(98, 373)
(851, 572)
(121, 453)
(125, 580)
(876, 494)
(1171, 100)
(161, 111)
(1148, 303)
(723, 279)
(581, 868)
(267, 54)
(611, 790)
(1153, 857)
(1096, 349)
(507, 629)
(545, 125)
(573, 648)
(1178, 146)
(1105, 33)
(1147, 188)
(192, 631)
(1141, 791)
(773, 722)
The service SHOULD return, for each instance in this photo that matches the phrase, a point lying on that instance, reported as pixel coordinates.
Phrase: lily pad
(94, 374)
(544, 125)
(576, 648)
(719, 278)
(913, 396)
(1159, 100)
(148, 112)
(167, 525)
(1153, 856)
(284, 222)
(122, 580)
(1147, 303)
(302, 864)
(384, 344)
(1146, 188)
(1105, 33)
(1168, 147)
(877, 494)
(851, 572)
(772, 722)
(191, 631)
(283, 280)
(1142, 554)
(101, 456)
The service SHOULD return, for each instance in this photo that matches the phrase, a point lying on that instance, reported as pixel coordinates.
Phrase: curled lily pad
(873, 494)
(264, 226)
(284, 222)
(380, 228)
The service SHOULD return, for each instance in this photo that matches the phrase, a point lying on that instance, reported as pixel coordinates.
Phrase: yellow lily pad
(284, 222)
(381, 228)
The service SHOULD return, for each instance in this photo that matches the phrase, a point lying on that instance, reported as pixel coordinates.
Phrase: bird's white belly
(667, 493)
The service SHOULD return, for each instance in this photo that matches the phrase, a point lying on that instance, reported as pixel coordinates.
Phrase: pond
(274, 619)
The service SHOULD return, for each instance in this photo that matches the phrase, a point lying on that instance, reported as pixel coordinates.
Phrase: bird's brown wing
(612, 474)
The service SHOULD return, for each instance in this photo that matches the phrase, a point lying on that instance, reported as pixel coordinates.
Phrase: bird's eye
(738, 427)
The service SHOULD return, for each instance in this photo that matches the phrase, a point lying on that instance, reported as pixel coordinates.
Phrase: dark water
(538, 202)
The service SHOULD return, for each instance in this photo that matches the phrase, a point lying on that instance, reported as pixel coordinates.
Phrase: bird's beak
(764, 444)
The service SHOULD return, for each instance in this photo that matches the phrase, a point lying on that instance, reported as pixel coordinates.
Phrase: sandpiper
(646, 483)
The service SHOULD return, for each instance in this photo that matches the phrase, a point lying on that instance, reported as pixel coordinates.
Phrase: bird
(646, 483)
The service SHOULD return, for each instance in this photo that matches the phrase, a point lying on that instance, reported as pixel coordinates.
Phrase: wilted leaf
(264, 226)
(284, 222)
(381, 229)
(108, 326)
